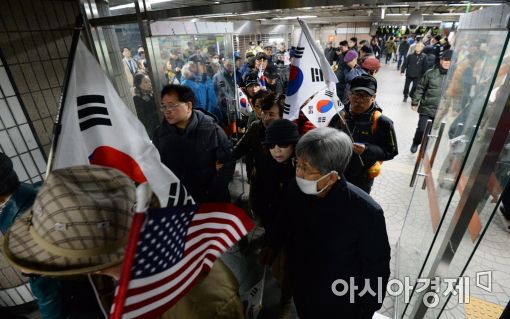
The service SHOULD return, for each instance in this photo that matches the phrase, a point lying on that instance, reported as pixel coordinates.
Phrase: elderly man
(193, 146)
(92, 208)
(414, 66)
(428, 96)
(56, 299)
(333, 233)
(373, 133)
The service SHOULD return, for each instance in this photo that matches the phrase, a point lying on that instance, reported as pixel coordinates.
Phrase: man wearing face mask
(331, 231)
(373, 134)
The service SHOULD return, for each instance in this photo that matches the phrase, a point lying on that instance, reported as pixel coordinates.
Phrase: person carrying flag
(89, 212)
(374, 138)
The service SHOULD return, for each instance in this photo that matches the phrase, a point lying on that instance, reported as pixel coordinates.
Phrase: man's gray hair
(325, 148)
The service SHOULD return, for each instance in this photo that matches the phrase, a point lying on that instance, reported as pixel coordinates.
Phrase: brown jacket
(215, 297)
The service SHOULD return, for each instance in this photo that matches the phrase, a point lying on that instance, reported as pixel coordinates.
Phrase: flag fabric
(261, 78)
(252, 300)
(98, 128)
(244, 103)
(175, 246)
(322, 107)
(310, 73)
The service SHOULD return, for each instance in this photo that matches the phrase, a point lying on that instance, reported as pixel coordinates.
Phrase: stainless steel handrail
(423, 147)
(434, 151)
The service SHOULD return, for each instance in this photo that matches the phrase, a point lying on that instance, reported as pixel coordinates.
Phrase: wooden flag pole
(57, 127)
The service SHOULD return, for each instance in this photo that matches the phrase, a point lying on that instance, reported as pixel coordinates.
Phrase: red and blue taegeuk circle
(323, 106)
(112, 157)
(243, 103)
(295, 80)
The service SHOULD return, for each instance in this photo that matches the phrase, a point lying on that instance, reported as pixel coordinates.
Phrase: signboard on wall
(165, 28)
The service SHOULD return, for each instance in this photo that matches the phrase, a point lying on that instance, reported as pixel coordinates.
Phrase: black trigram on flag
(317, 75)
(298, 52)
(286, 109)
(328, 93)
(90, 111)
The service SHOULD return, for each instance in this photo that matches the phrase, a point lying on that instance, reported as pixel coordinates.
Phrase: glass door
(454, 184)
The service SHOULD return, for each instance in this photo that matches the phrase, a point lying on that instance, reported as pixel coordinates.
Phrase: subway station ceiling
(285, 11)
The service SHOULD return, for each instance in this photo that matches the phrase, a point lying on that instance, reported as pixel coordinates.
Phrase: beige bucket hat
(79, 223)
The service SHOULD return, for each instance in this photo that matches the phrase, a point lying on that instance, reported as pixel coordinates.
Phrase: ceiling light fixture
(393, 6)
(473, 4)
(397, 14)
(252, 13)
(122, 6)
(295, 17)
(383, 11)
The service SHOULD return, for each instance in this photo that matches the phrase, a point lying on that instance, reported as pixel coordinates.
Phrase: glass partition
(202, 62)
(449, 162)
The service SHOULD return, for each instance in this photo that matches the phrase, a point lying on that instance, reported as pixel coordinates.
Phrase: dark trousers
(505, 201)
(400, 59)
(406, 86)
(388, 57)
(418, 134)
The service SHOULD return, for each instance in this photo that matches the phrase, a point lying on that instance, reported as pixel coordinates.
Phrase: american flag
(167, 251)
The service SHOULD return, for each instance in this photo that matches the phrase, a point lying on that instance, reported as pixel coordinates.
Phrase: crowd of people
(309, 187)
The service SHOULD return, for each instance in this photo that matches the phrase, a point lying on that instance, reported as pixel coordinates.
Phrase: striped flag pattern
(173, 248)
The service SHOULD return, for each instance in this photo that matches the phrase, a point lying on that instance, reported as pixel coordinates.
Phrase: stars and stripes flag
(168, 254)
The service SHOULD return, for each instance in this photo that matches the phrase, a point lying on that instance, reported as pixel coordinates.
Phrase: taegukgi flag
(322, 107)
(98, 128)
(309, 73)
(244, 103)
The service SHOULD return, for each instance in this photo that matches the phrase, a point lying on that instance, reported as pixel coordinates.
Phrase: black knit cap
(9, 180)
(447, 55)
(280, 132)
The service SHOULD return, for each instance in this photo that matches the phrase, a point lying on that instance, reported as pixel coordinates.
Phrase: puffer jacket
(428, 92)
(192, 154)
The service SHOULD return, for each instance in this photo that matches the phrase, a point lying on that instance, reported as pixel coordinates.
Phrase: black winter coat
(192, 155)
(340, 236)
(415, 64)
(381, 146)
(269, 185)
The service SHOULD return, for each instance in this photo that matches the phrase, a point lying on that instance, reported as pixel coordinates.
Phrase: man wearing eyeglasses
(374, 138)
(193, 146)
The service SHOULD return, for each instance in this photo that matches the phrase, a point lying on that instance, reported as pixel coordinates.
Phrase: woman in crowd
(375, 47)
(144, 103)
(275, 169)
(169, 76)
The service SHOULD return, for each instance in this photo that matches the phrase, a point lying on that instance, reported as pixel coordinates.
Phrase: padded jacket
(428, 91)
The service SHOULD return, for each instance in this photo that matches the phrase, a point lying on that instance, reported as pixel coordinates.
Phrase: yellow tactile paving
(481, 309)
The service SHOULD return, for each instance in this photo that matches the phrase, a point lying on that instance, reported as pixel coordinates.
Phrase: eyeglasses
(359, 95)
(271, 146)
(169, 106)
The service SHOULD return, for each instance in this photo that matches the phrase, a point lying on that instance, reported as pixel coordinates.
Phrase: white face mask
(215, 60)
(310, 187)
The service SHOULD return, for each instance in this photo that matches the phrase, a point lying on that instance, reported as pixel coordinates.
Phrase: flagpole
(57, 127)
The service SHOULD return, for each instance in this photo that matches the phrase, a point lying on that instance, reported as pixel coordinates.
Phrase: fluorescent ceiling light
(447, 14)
(122, 6)
(296, 17)
(252, 13)
(473, 4)
(158, 1)
(219, 15)
(398, 14)
(393, 6)
(383, 11)
(432, 21)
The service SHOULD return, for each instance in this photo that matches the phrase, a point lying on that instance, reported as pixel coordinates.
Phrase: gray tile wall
(35, 37)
